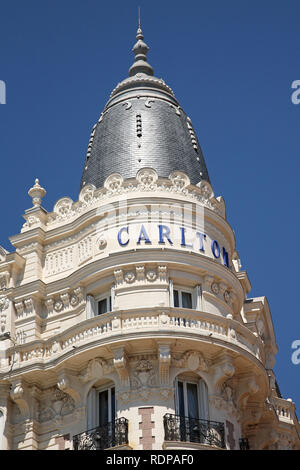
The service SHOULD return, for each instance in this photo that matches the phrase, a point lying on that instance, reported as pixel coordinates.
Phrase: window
(104, 305)
(99, 304)
(185, 297)
(101, 406)
(107, 406)
(182, 299)
(192, 400)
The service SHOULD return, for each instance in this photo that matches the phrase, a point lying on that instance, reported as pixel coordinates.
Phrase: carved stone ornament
(180, 180)
(74, 301)
(113, 183)
(192, 360)
(4, 303)
(206, 190)
(151, 275)
(58, 405)
(215, 288)
(63, 207)
(87, 194)
(58, 306)
(121, 365)
(37, 193)
(102, 242)
(147, 177)
(143, 375)
(4, 280)
(96, 369)
(129, 277)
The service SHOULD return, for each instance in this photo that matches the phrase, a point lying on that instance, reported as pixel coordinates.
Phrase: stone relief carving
(57, 404)
(192, 360)
(63, 207)
(59, 261)
(96, 369)
(4, 280)
(85, 248)
(87, 194)
(226, 401)
(147, 177)
(143, 375)
(4, 304)
(141, 274)
(113, 183)
(65, 301)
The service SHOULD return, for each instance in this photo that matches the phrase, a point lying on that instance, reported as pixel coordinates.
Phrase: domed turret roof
(142, 125)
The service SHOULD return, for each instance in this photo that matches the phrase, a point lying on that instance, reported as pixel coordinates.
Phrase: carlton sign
(161, 234)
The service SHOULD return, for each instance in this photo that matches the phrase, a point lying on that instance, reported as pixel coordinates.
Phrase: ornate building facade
(125, 317)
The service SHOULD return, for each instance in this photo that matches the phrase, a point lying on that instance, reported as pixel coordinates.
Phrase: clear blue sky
(230, 63)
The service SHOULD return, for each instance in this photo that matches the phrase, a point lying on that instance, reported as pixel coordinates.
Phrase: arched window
(191, 397)
(101, 405)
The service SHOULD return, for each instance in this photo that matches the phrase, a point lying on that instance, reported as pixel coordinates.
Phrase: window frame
(185, 381)
(109, 302)
(98, 390)
(187, 290)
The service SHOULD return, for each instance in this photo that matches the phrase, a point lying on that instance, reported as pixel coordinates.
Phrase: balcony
(199, 431)
(135, 322)
(114, 434)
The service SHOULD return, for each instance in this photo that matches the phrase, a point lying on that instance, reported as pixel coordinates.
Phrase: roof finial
(140, 50)
(139, 17)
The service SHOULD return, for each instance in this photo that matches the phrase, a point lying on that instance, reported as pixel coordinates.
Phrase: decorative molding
(192, 360)
(140, 275)
(121, 364)
(143, 375)
(164, 361)
(96, 369)
(65, 301)
(146, 180)
(17, 394)
(4, 280)
(4, 304)
(59, 261)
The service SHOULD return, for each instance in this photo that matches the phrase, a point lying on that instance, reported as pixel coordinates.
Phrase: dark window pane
(186, 300)
(102, 306)
(110, 309)
(176, 298)
(113, 404)
(192, 399)
(103, 408)
(181, 399)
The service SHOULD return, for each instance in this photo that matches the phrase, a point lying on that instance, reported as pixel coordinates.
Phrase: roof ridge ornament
(140, 50)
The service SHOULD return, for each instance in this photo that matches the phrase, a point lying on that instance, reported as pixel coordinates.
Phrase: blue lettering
(215, 249)
(183, 238)
(202, 237)
(143, 236)
(164, 231)
(123, 229)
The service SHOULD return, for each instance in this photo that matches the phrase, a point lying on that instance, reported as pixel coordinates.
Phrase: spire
(140, 50)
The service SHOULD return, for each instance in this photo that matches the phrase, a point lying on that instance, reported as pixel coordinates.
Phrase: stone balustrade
(135, 323)
(285, 409)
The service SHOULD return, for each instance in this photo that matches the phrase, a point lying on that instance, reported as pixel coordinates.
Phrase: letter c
(123, 229)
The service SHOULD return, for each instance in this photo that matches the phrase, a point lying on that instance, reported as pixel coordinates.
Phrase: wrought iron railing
(184, 429)
(111, 435)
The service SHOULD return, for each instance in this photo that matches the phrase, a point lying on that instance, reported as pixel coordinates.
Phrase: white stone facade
(158, 256)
